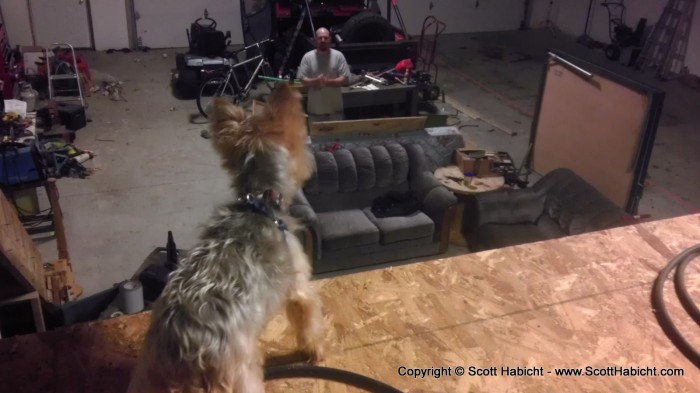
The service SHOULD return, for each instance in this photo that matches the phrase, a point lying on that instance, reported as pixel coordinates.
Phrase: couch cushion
(346, 228)
(492, 236)
(550, 228)
(576, 205)
(400, 228)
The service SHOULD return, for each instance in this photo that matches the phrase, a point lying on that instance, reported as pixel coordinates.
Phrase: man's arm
(343, 72)
(303, 72)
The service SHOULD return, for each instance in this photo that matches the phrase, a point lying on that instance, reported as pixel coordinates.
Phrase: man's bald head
(323, 39)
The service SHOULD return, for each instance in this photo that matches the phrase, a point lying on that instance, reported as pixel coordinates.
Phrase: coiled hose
(329, 374)
(679, 262)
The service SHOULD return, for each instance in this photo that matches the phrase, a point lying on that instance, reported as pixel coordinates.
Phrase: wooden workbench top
(574, 302)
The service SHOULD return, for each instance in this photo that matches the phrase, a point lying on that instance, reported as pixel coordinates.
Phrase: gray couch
(335, 205)
(560, 204)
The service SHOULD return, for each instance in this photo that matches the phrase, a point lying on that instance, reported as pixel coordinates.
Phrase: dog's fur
(204, 330)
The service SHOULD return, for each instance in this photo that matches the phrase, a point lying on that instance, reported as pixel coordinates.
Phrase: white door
(60, 21)
(162, 23)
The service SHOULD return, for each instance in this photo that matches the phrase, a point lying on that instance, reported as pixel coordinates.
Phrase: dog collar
(260, 203)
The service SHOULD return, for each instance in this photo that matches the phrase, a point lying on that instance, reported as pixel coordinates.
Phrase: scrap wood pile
(107, 85)
(113, 90)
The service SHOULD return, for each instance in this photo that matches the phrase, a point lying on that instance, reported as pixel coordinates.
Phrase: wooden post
(61, 242)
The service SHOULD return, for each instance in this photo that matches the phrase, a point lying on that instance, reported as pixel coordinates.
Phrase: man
(323, 71)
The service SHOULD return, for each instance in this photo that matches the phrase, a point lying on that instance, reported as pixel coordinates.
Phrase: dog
(246, 266)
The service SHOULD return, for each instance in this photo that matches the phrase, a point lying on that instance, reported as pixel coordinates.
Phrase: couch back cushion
(575, 205)
(352, 179)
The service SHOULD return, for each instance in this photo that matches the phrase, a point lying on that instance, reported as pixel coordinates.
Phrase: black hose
(329, 374)
(657, 301)
(682, 292)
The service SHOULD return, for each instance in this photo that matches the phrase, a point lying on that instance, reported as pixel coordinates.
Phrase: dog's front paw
(314, 354)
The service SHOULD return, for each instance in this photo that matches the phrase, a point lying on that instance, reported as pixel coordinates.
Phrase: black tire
(211, 88)
(612, 52)
(430, 93)
(180, 61)
(187, 83)
(367, 27)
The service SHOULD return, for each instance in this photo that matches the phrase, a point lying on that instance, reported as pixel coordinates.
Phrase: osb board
(390, 124)
(20, 257)
(574, 302)
(593, 126)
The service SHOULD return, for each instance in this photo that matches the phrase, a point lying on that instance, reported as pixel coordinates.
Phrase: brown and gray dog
(246, 266)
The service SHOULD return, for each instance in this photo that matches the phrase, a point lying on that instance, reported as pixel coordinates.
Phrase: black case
(72, 116)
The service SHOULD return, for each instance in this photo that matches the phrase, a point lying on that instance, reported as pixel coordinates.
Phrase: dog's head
(264, 144)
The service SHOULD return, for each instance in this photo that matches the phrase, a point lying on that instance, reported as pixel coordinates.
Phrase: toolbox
(18, 165)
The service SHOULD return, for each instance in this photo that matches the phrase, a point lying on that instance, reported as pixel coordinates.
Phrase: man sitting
(323, 71)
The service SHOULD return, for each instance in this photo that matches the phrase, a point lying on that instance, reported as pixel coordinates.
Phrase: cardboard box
(478, 162)
(31, 55)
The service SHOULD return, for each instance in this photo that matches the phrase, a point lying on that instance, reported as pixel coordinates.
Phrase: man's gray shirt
(332, 64)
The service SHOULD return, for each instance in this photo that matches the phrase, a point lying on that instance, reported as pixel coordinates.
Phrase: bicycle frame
(243, 92)
(231, 73)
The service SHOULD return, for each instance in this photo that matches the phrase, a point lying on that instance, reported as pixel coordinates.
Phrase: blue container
(17, 166)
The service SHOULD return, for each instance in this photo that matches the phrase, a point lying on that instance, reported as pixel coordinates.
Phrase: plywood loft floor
(569, 303)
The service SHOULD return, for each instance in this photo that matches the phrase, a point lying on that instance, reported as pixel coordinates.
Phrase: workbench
(572, 302)
(403, 99)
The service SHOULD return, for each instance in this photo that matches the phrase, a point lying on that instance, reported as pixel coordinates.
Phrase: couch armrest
(436, 204)
(502, 207)
(302, 210)
(422, 183)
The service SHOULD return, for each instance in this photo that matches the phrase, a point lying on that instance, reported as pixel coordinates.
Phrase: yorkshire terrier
(204, 329)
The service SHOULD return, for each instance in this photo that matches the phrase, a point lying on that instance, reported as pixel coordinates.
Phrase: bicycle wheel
(266, 70)
(212, 88)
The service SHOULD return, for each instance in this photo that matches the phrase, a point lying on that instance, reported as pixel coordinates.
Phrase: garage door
(162, 23)
(60, 21)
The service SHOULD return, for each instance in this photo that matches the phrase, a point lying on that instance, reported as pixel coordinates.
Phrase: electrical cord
(329, 374)
(680, 262)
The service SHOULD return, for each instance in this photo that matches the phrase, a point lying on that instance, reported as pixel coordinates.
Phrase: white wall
(16, 17)
(162, 23)
(461, 16)
(109, 29)
(570, 16)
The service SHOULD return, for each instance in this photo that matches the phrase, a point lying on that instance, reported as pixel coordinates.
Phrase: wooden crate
(59, 283)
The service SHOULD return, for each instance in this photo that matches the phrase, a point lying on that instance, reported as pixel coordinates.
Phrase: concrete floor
(154, 172)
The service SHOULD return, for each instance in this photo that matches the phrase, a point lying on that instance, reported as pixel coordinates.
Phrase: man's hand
(314, 82)
(335, 82)
(324, 81)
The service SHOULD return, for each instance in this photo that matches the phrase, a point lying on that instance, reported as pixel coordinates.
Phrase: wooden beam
(20, 255)
(368, 126)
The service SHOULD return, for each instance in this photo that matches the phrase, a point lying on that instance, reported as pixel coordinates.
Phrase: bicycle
(221, 86)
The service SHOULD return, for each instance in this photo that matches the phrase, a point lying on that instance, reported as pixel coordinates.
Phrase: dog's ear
(226, 120)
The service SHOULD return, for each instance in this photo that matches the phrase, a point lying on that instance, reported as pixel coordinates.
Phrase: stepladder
(64, 79)
(666, 47)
